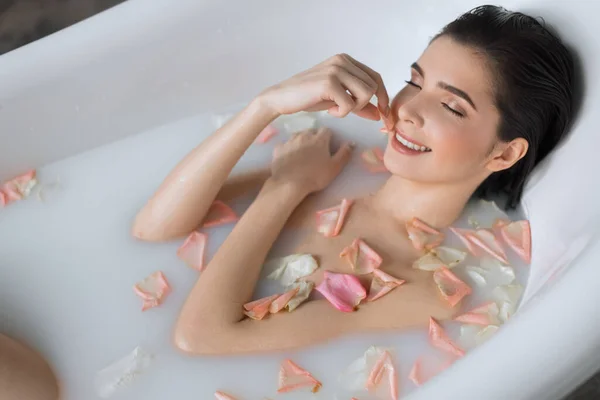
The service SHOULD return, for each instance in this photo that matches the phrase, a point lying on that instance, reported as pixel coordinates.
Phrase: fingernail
(352, 144)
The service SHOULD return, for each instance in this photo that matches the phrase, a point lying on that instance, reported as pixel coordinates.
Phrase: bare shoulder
(24, 374)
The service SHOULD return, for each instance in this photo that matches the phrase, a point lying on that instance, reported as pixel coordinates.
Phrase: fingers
(383, 99)
(324, 134)
(344, 103)
(369, 112)
(346, 62)
(361, 92)
(342, 156)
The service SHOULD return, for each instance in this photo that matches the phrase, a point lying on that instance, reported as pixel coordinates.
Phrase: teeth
(411, 145)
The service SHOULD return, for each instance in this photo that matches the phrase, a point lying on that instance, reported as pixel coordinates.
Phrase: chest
(385, 236)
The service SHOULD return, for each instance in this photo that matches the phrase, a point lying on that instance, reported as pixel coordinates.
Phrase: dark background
(23, 21)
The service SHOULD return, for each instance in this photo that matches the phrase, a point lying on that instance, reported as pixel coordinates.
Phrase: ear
(506, 154)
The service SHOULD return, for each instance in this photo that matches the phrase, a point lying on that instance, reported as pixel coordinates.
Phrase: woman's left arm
(301, 166)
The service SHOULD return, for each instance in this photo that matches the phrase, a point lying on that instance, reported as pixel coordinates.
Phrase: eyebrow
(454, 90)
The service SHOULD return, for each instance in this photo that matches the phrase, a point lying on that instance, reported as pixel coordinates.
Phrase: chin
(406, 167)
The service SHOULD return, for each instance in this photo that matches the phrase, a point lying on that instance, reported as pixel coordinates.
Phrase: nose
(411, 112)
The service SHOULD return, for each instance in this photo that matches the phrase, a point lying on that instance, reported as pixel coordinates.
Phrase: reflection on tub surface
(69, 263)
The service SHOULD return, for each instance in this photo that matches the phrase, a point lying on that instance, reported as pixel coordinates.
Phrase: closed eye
(452, 110)
(411, 83)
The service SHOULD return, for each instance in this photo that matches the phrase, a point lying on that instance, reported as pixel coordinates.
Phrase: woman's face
(448, 110)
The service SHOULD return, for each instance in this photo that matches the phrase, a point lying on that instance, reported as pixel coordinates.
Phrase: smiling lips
(404, 145)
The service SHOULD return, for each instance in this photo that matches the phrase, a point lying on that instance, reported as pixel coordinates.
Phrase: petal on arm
(258, 309)
(292, 377)
(304, 290)
(361, 257)
(281, 302)
(343, 291)
(290, 269)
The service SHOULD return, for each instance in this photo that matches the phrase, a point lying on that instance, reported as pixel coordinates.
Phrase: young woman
(487, 100)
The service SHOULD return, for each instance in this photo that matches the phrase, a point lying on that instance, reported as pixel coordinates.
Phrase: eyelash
(451, 110)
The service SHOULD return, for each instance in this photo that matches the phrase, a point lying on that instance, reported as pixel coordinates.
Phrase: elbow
(142, 229)
(198, 342)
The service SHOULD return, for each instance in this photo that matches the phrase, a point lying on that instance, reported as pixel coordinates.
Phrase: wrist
(261, 105)
(286, 189)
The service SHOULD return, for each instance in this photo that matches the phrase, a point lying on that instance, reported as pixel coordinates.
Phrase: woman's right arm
(340, 85)
(181, 202)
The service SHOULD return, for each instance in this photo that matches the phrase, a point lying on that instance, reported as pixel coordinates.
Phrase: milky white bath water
(68, 265)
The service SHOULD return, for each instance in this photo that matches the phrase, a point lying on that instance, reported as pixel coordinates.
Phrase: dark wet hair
(533, 85)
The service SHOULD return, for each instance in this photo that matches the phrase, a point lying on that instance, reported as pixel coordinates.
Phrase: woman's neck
(436, 204)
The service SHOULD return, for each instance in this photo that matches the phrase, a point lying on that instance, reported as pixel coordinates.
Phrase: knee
(24, 374)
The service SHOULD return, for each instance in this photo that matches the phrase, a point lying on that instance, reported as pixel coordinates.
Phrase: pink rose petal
(219, 213)
(18, 188)
(373, 160)
(463, 235)
(223, 396)
(361, 257)
(292, 377)
(331, 220)
(451, 288)
(439, 339)
(152, 290)
(384, 367)
(517, 236)
(423, 236)
(193, 250)
(388, 121)
(343, 291)
(266, 134)
(485, 314)
(258, 309)
(486, 240)
(282, 301)
(382, 284)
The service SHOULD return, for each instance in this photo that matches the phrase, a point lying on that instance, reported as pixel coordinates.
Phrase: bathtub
(147, 64)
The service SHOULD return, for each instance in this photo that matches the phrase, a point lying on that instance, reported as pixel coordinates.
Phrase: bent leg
(24, 374)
